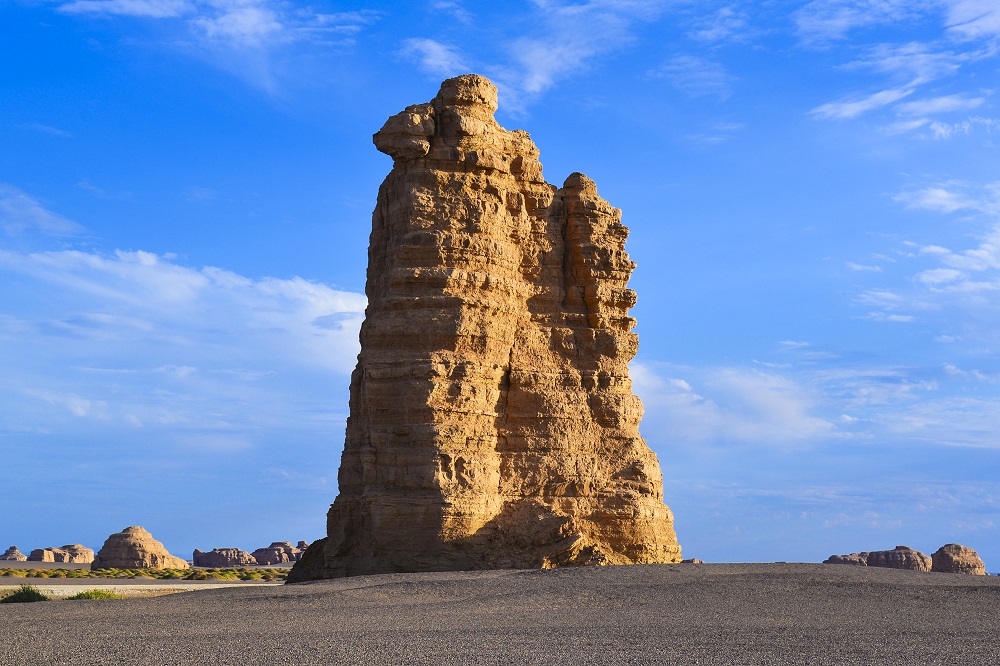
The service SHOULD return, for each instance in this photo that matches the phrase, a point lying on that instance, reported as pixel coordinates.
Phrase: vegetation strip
(158, 574)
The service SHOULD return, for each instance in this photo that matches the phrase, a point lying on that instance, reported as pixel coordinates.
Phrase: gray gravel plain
(657, 614)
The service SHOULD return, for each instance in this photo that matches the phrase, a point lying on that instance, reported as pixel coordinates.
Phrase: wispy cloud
(944, 104)
(824, 20)
(725, 24)
(246, 37)
(136, 340)
(561, 39)
(851, 108)
(20, 213)
(433, 57)
(954, 196)
(48, 129)
(140, 8)
(729, 405)
(974, 18)
(696, 76)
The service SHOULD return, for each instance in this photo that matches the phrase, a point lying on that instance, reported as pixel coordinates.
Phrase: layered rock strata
(12, 554)
(956, 558)
(279, 552)
(135, 548)
(223, 558)
(492, 420)
(71, 553)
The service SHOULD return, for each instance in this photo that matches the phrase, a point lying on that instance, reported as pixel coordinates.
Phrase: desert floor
(666, 614)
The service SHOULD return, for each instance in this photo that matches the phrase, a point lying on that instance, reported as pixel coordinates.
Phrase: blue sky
(813, 190)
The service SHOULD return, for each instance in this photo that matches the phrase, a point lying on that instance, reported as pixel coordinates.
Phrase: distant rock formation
(955, 558)
(950, 558)
(279, 552)
(492, 420)
(135, 548)
(857, 559)
(12, 554)
(71, 553)
(900, 557)
(223, 558)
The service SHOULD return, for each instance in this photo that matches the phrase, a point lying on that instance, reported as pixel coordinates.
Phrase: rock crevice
(492, 420)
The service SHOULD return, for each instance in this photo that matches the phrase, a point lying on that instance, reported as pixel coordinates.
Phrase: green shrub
(97, 594)
(24, 594)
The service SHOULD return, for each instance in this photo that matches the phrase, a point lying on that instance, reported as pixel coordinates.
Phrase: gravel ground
(670, 614)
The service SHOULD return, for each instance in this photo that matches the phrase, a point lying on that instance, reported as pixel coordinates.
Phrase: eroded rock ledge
(492, 421)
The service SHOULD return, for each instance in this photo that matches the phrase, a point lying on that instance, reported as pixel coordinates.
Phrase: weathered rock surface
(223, 557)
(135, 548)
(12, 554)
(492, 420)
(857, 559)
(900, 557)
(955, 558)
(279, 552)
(71, 553)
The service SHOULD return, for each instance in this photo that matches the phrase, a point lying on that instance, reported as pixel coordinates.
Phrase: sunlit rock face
(135, 548)
(956, 558)
(73, 553)
(492, 420)
(12, 554)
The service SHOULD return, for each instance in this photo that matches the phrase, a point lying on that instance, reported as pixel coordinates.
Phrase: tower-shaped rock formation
(492, 421)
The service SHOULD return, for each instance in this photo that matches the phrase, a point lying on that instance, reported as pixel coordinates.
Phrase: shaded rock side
(222, 558)
(71, 553)
(135, 548)
(12, 554)
(492, 420)
(279, 552)
(900, 557)
(955, 558)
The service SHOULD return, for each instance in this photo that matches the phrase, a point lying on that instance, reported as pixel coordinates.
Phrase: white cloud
(20, 213)
(434, 57)
(242, 24)
(952, 197)
(140, 297)
(730, 405)
(863, 267)
(852, 108)
(937, 276)
(197, 358)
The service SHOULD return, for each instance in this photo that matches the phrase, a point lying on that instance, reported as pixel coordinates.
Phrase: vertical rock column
(492, 422)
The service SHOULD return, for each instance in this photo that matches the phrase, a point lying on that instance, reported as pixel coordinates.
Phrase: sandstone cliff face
(492, 421)
(955, 558)
(12, 554)
(135, 548)
(71, 553)
(223, 558)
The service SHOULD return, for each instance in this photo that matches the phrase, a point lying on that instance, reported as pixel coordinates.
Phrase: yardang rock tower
(492, 421)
